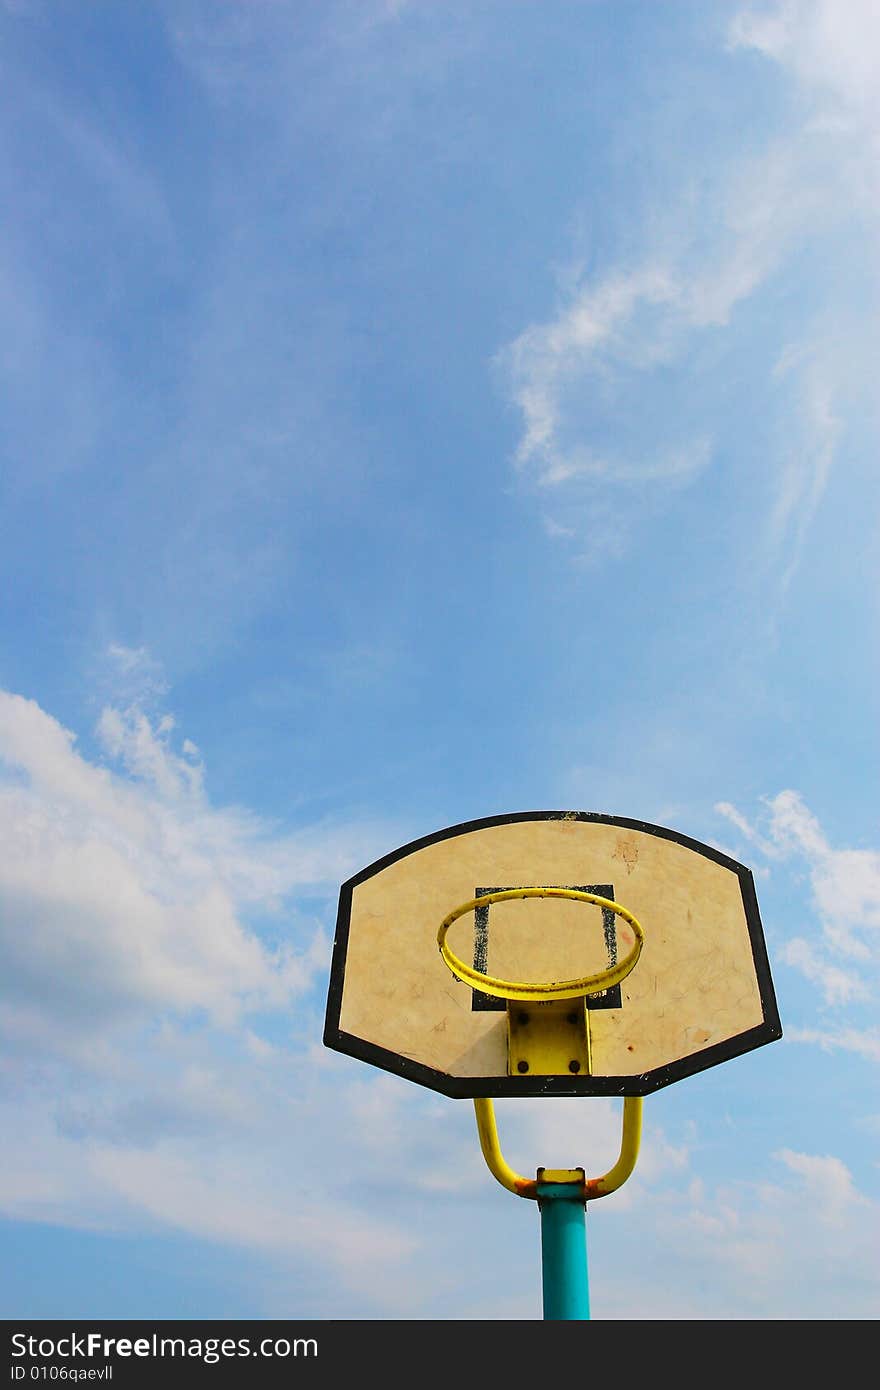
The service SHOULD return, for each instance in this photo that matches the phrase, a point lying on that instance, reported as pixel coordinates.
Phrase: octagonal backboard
(700, 993)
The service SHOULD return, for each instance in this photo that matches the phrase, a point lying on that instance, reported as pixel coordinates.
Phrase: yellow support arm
(630, 1141)
(498, 1167)
(593, 1187)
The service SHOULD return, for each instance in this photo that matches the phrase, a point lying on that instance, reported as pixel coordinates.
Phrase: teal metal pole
(564, 1251)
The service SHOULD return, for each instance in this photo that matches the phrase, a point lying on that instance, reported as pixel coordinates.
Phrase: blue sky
(413, 413)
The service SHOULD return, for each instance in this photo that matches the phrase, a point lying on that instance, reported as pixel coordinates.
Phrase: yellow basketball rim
(537, 991)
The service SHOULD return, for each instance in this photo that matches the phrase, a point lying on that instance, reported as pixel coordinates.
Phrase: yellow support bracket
(592, 1187)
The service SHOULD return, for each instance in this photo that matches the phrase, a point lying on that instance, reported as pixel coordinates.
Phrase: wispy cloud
(615, 329)
(602, 359)
(831, 56)
(544, 359)
(128, 677)
(832, 50)
(806, 466)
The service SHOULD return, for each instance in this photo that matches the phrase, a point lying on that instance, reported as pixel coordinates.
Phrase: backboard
(700, 992)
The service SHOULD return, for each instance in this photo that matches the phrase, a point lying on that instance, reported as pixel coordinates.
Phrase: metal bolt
(574, 1066)
(522, 1066)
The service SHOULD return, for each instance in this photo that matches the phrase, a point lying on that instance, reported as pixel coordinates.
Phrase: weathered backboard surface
(700, 993)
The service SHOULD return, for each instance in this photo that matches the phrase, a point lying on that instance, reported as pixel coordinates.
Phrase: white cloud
(846, 883)
(126, 892)
(845, 886)
(236, 1177)
(833, 50)
(566, 374)
(152, 1076)
(863, 1042)
(144, 751)
(751, 1246)
(794, 827)
(838, 986)
(827, 1179)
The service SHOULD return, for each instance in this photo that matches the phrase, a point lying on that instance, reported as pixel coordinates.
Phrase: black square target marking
(490, 1003)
